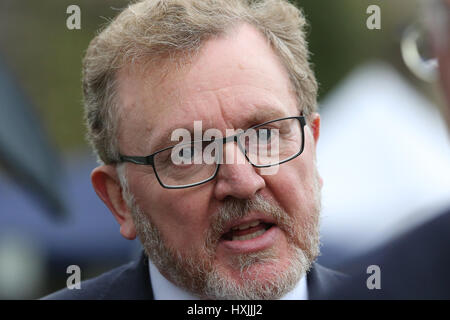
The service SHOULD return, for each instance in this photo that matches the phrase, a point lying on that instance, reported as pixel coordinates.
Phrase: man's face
(234, 82)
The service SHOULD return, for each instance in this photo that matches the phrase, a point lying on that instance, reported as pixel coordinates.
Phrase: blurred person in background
(208, 231)
(416, 264)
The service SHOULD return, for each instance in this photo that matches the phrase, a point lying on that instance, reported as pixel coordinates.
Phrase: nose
(236, 177)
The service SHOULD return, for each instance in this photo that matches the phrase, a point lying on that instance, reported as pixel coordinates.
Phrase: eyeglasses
(190, 164)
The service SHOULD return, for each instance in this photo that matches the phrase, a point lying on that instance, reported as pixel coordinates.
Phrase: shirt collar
(163, 289)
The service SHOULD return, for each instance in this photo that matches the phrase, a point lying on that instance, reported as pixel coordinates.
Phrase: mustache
(233, 209)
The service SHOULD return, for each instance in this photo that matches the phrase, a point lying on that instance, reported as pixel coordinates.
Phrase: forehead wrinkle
(162, 139)
(153, 77)
(254, 110)
(159, 134)
(262, 109)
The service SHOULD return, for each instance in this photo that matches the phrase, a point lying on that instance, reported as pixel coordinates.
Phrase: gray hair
(153, 30)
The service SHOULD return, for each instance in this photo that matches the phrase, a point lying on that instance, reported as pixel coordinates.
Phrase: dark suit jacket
(415, 265)
(132, 281)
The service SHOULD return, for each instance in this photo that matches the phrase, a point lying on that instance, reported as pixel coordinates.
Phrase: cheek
(180, 215)
(294, 186)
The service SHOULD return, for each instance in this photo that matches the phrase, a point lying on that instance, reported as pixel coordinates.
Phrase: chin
(262, 281)
(261, 275)
(260, 272)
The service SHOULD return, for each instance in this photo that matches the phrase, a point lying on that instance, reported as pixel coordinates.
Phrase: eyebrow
(164, 139)
(266, 113)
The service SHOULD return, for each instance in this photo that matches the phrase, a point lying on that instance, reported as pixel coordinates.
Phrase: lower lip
(264, 241)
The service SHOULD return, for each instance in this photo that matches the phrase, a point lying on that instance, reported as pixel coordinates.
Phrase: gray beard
(196, 271)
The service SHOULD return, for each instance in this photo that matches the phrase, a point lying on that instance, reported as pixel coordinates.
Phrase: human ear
(315, 130)
(106, 184)
(315, 126)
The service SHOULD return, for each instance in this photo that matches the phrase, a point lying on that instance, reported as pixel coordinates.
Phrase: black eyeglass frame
(149, 160)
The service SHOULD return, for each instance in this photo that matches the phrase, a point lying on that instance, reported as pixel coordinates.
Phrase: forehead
(233, 80)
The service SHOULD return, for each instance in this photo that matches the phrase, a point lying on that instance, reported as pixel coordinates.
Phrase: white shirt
(163, 289)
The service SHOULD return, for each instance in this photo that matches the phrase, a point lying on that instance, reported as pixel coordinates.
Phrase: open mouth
(247, 231)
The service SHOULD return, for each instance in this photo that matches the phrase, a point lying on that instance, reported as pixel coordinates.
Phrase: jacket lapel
(133, 283)
(321, 280)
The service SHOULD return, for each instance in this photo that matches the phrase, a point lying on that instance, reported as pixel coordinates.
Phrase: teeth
(249, 236)
(254, 224)
(246, 225)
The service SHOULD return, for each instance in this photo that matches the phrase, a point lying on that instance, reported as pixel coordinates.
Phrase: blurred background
(383, 152)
